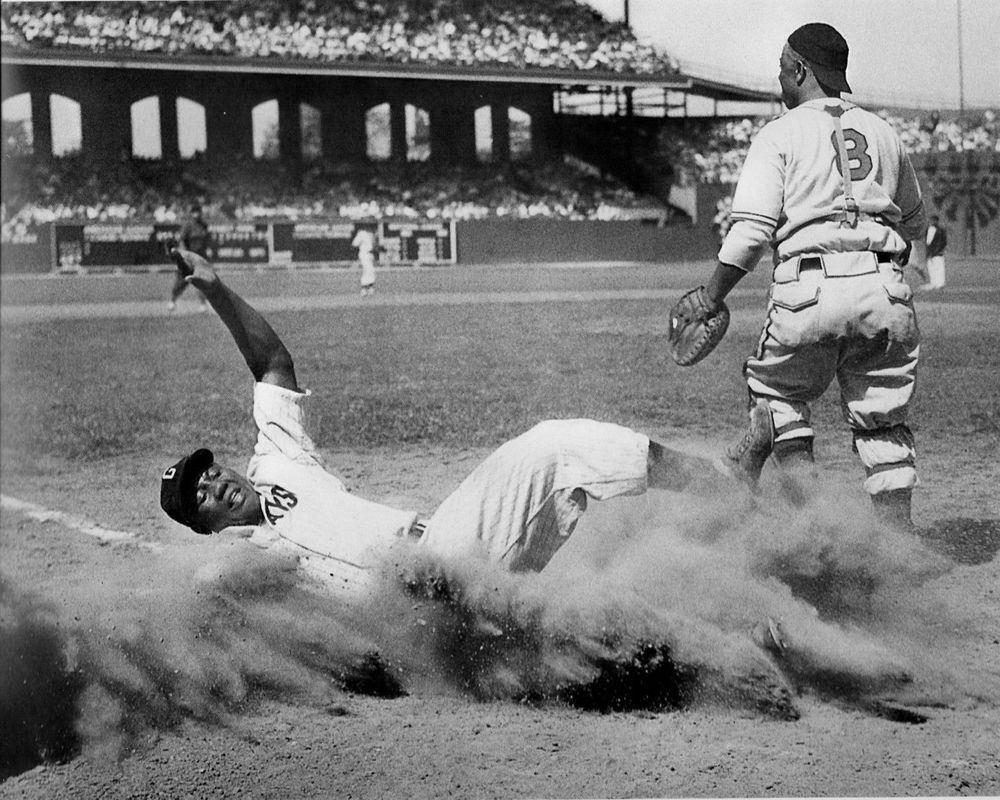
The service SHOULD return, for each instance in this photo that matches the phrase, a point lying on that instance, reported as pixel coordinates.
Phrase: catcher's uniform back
(792, 194)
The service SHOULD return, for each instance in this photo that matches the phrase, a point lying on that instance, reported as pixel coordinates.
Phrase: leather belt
(816, 262)
(833, 265)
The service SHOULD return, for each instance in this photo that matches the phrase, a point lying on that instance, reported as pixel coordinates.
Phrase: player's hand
(197, 270)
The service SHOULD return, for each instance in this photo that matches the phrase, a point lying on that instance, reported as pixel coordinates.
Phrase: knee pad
(889, 458)
(898, 434)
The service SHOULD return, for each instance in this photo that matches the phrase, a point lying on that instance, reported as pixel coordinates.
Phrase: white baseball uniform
(517, 508)
(937, 239)
(364, 241)
(838, 305)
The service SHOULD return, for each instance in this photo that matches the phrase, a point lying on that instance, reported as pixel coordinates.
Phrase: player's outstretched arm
(262, 349)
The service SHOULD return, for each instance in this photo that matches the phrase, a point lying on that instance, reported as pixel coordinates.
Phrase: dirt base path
(437, 741)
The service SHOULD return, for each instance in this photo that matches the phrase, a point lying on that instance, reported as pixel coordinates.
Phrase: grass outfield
(455, 373)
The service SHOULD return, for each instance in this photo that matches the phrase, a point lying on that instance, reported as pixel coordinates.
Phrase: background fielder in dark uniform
(196, 237)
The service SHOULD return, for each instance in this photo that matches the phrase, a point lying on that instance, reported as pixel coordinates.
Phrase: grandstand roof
(555, 77)
(717, 90)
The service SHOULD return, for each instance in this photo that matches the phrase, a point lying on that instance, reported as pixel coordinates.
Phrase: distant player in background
(829, 187)
(937, 241)
(196, 237)
(364, 242)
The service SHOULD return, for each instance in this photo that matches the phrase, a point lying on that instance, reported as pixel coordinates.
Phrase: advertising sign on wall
(418, 242)
(136, 244)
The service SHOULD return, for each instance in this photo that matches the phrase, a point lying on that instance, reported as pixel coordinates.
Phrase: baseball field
(140, 660)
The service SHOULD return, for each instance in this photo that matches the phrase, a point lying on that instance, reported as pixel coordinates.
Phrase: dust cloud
(658, 603)
(193, 633)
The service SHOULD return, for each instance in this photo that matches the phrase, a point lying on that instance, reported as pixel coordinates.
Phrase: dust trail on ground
(38, 691)
(665, 601)
(657, 603)
(199, 633)
(859, 604)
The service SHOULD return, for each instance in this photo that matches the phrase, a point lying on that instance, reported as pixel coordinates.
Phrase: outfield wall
(963, 188)
(143, 245)
(546, 241)
(138, 245)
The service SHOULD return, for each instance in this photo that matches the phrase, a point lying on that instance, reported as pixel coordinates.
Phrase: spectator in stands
(196, 237)
(561, 34)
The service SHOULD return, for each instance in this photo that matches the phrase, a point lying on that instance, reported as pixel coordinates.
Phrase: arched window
(146, 140)
(265, 130)
(310, 125)
(67, 126)
(520, 134)
(192, 130)
(18, 132)
(378, 132)
(418, 134)
(484, 134)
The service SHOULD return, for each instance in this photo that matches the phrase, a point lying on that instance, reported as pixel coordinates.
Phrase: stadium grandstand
(440, 110)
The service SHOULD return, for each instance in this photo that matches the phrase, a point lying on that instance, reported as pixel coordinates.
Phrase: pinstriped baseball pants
(860, 329)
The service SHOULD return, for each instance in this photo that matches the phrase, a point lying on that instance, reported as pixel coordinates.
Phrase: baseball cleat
(746, 458)
(770, 637)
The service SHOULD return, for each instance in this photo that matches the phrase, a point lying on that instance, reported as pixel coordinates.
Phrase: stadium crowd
(38, 191)
(521, 34)
(714, 152)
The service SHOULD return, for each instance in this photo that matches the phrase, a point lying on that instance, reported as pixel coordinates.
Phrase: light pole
(971, 195)
(961, 70)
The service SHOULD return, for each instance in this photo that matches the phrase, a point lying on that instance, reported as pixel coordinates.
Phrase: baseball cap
(825, 50)
(178, 489)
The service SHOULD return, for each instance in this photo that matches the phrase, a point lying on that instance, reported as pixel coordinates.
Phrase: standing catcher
(828, 187)
(517, 508)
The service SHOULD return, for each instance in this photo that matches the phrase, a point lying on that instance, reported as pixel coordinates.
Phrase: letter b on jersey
(860, 162)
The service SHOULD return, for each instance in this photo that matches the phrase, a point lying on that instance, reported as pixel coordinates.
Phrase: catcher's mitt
(696, 327)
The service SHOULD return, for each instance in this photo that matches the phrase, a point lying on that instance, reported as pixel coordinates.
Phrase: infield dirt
(166, 665)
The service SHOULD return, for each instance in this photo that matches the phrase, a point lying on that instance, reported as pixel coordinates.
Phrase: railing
(924, 101)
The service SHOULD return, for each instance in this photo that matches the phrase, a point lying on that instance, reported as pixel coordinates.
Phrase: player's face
(786, 77)
(226, 498)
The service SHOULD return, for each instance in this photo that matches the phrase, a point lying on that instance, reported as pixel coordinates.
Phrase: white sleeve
(282, 424)
(756, 203)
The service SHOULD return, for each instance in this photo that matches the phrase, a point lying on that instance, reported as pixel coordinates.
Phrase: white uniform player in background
(937, 241)
(364, 241)
(829, 190)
